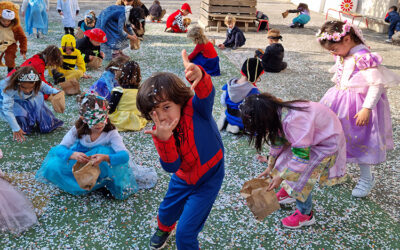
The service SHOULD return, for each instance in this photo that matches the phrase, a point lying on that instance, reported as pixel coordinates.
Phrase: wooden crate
(213, 12)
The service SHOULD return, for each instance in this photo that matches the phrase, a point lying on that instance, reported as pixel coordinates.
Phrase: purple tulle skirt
(364, 144)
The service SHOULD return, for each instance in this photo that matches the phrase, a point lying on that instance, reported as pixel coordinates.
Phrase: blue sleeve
(47, 89)
(119, 157)
(63, 152)
(121, 25)
(8, 110)
(171, 167)
(203, 100)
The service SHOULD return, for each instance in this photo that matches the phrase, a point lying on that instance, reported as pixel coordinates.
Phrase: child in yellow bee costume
(72, 59)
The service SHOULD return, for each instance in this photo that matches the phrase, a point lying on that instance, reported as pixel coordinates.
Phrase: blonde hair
(197, 35)
(229, 20)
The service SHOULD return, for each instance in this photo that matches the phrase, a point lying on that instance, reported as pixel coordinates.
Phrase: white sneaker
(389, 41)
(232, 129)
(363, 187)
(221, 121)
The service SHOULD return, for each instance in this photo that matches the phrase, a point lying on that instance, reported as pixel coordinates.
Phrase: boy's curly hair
(52, 56)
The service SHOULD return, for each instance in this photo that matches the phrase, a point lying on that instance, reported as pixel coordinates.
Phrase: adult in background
(136, 4)
(117, 21)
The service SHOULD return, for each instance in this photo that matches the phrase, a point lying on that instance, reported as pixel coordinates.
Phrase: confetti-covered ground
(95, 221)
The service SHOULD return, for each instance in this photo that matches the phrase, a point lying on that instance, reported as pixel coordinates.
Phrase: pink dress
(16, 212)
(312, 149)
(353, 76)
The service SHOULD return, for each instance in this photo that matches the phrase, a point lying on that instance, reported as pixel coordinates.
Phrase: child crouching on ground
(272, 58)
(303, 16)
(156, 12)
(90, 47)
(307, 145)
(88, 23)
(93, 139)
(72, 58)
(234, 36)
(204, 53)
(123, 111)
(109, 79)
(175, 22)
(22, 103)
(234, 93)
(195, 157)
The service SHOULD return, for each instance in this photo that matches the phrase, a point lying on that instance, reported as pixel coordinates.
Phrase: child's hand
(98, 158)
(102, 54)
(24, 56)
(80, 157)
(61, 13)
(163, 129)
(266, 172)
(192, 72)
(363, 117)
(276, 182)
(221, 46)
(86, 76)
(19, 136)
(261, 158)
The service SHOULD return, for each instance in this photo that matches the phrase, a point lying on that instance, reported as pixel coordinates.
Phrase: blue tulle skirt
(34, 112)
(118, 179)
(36, 17)
(210, 65)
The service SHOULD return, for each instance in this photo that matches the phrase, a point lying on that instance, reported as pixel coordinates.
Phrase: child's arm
(230, 39)
(120, 156)
(8, 110)
(179, 21)
(373, 95)
(47, 89)
(21, 38)
(80, 62)
(165, 143)
(116, 95)
(59, 8)
(198, 49)
(202, 85)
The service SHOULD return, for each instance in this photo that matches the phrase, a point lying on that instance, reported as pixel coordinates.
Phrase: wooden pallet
(213, 13)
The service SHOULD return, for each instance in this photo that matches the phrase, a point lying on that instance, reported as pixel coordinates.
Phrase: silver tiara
(31, 77)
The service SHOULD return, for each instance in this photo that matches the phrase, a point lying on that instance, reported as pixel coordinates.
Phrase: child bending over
(393, 18)
(88, 23)
(22, 103)
(156, 12)
(303, 16)
(204, 53)
(234, 36)
(194, 156)
(234, 93)
(272, 58)
(307, 145)
(123, 111)
(175, 20)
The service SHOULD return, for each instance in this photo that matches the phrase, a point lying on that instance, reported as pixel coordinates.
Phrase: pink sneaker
(298, 220)
(284, 198)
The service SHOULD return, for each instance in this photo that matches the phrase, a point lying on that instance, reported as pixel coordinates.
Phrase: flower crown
(336, 36)
(31, 77)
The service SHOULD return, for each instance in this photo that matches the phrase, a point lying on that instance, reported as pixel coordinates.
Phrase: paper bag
(260, 201)
(95, 63)
(58, 101)
(135, 44)
(70, 87)
(285, 14)
(86, 174)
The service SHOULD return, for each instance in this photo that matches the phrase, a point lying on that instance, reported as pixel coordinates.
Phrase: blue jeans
(305, 207)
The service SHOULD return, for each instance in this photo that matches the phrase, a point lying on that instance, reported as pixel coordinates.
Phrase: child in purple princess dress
(359, 99)
(307, 145)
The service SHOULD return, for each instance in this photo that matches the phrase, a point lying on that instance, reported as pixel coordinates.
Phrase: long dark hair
(14, 82)
(135, 15)
(261, 116)
(81, 127)
(130, 75)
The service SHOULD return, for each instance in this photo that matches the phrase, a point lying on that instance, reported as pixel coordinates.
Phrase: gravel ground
(93, 221)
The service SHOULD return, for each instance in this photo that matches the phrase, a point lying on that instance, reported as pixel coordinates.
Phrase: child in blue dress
(68, 10)
(93, 138)
(22, 103)
(109, 78)
(35, 12)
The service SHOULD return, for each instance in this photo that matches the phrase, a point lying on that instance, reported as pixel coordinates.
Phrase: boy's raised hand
(192, 72)
(163, 129)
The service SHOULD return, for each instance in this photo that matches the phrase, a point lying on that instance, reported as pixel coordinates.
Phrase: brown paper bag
(70, 87)
(58, 101)
(79, 34)
(86, 174)
(285, 14)
(260, 201)
(95, 63)
(135, 44)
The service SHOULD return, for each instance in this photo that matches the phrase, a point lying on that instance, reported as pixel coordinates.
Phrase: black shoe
(295, 25)
(301, 25)
(234, 47)
(159, 239)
